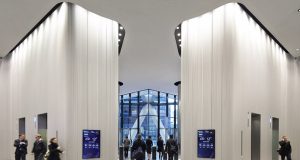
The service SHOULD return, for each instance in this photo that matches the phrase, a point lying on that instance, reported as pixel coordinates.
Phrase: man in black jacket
(138, 148)
(171, 147)
(21, 147)
(285, 148)
(39, 148)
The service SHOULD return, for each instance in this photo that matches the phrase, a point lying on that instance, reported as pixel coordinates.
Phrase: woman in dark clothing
(149, 145)
(160, 147)
(54, 150)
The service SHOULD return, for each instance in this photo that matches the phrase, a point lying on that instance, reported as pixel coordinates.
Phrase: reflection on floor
(157, 157)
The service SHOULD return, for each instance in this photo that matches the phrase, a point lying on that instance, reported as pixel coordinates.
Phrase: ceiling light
(297, 49)
(178, 34)
(177, 27)
(120, 34)
(119, 40)
(299, 10)
(179, 40)
(121, 28)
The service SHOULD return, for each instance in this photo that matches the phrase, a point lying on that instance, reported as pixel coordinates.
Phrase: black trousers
(20, 156)
(288, 156)
(171, 157)
(126, 149)
(160, 155)
(39, 156)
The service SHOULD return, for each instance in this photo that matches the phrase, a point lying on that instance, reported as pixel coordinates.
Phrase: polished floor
(152, 158)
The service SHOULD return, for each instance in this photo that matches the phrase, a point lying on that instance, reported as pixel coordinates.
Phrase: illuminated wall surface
(67, 68)
(150, 113)
(231, 68)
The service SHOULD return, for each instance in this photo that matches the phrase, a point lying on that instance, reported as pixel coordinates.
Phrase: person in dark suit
(139, 148)
(39, 148)
(54, 150)
(285, 148)
(171, 147)
(149, 144)
(160, 147)
(21, 147)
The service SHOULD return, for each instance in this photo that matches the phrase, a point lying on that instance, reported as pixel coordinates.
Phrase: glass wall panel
(150, 113)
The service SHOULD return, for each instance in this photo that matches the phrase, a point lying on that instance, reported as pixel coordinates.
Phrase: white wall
(293, 109)
(230, 69)
(95, 82)
(68, 68)
(4, 99)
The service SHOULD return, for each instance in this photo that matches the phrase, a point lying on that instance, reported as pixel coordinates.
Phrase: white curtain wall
(67, 68)
(230, 69)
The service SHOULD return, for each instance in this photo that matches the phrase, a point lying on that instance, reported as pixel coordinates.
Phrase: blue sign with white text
(206, 143)
(91, 144)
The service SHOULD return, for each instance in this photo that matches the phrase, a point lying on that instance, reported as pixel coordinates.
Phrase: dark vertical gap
(129, 114)
(138, 113)
(175, 116)
(121, 115)
(167, 105)
(148, 117)
(158, 114)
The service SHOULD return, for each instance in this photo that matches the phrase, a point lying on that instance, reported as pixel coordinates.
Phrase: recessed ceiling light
(178, 34)
(121, 28)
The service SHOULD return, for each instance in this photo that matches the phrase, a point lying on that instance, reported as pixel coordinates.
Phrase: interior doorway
(255, 136)
(42, 125)
(275, 137)
(22, 127)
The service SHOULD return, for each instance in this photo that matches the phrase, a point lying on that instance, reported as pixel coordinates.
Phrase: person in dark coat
(21, 147)
(160, 147)
(126, 144)
(138, 148)
(285, 148)
(171, 147)
(39, 148)
(149, 144)
(54, 150)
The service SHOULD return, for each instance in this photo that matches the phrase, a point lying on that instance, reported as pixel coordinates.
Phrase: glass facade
(150, 113)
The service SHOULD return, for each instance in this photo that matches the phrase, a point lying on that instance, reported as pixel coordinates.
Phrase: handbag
(47, 154)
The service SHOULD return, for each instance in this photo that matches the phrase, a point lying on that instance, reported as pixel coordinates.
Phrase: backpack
(173, 147)
(138, 153)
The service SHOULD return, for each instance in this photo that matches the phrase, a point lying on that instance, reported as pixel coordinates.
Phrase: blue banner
(206, 143)
(91, 144)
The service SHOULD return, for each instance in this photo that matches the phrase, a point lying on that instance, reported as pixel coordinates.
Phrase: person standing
(171, 147)
(285, 148)
(160, 147)
(126, 144)
(149, 144)
(39, 148)
(54, 150)
(21, 147)
(139, 148)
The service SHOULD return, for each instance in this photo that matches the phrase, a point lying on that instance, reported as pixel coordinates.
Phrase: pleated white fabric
(229, 68)
(68, 68)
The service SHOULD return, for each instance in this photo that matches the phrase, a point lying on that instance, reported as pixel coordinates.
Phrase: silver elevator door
(255, 136)
(275, 138)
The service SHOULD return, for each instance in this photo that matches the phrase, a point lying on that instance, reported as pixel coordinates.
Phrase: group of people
(139, 148)
(39, 148)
